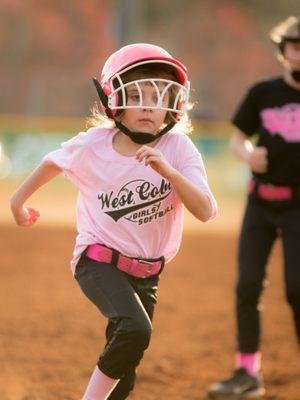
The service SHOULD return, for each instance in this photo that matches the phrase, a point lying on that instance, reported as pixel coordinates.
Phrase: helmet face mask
(177, 93)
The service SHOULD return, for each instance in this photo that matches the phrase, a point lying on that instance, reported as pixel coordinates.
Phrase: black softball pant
(262, 224)
(128, 303)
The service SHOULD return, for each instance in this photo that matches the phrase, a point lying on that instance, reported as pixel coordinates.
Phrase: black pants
(262, 224)
(128, 303)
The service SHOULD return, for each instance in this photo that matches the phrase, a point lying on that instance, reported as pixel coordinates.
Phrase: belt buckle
(149, 269)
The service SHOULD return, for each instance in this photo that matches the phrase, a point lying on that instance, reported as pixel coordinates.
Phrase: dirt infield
(50, 335)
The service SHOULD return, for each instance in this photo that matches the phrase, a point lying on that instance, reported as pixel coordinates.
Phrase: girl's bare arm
(27, 216)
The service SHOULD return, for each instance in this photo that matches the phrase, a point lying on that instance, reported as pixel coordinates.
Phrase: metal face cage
(177, 93)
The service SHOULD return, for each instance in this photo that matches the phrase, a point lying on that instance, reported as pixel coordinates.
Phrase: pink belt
(271, 192)
(133, 266)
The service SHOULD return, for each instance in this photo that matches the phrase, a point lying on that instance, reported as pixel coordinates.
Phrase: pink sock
(249, 361)
(100, 386)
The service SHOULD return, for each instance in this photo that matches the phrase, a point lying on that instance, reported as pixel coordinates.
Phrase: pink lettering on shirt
(284, 121)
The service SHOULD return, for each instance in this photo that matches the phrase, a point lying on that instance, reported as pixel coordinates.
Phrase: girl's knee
(141, 333)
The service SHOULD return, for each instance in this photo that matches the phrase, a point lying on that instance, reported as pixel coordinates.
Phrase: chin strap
(136, 137)
(142, 137)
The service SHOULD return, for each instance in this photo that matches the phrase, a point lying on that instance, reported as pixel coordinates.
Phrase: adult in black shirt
(270, 110)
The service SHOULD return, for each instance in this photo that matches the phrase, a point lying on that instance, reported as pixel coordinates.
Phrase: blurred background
(50, 334)
(50, 50)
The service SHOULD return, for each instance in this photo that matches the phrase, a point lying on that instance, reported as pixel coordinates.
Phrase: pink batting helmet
(139, 54)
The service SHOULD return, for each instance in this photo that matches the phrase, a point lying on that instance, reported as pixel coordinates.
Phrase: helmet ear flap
(103, 98)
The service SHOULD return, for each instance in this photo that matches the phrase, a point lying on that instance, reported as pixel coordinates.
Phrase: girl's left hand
(156, 160)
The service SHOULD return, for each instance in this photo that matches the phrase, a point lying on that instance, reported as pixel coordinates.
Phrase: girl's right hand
(258, 159)
(25, 216)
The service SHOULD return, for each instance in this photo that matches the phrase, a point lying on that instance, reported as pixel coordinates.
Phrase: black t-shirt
(272, 110)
